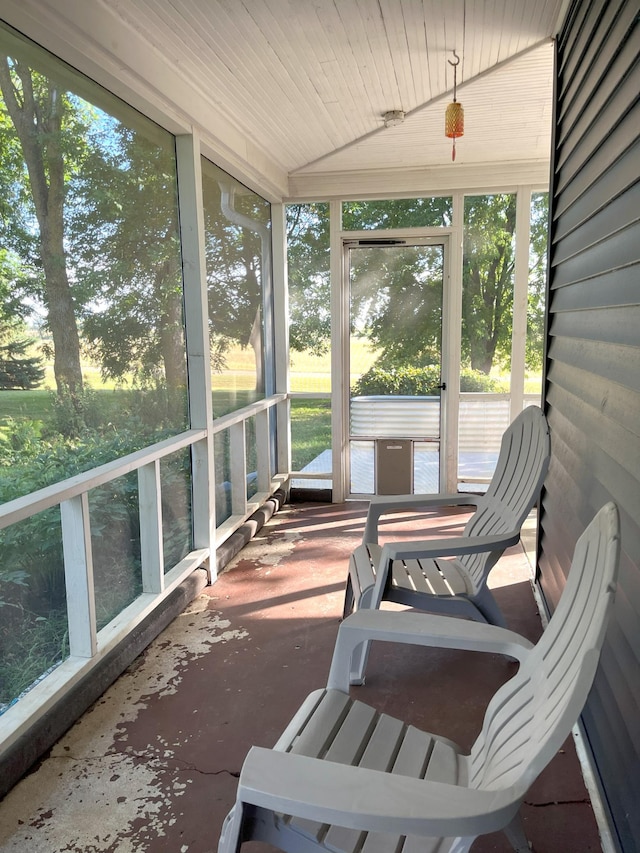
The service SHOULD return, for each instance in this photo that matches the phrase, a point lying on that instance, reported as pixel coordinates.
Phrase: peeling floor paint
(152, 767)
(94, 794)
(267, 552)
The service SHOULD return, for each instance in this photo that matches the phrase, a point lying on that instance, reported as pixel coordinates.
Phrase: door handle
(442, 386)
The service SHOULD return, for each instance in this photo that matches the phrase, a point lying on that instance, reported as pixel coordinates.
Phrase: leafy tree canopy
(395, 298)
(237, 245)
(91, 217)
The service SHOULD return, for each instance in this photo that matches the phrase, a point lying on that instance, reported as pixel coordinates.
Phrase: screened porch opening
(244, 289)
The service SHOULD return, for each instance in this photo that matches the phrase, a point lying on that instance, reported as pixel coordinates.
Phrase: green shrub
(143, 411)
(415, 381)
(476, 380)
(33, 627)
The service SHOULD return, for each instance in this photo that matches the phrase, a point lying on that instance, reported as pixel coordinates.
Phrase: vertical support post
(452, 348)
(238, 453)
(281, 334)
(194, 271)
(262, 448)
(339, 357)
(151, 539)
(520, 300)
(78, 572)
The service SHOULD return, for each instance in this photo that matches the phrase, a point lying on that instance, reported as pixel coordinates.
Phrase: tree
(487, 282)
(537, 279)
(17, 369)
(396, 302)
(399, 293)
(237, 237)
(124, 242)
(92, 216)
(47, 129)
(391, 287)
(309, 277)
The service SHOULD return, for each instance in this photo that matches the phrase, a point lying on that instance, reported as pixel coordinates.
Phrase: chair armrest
(364, 799)
(455, 547)
(418, 629)
(430, 548)
(382, 505)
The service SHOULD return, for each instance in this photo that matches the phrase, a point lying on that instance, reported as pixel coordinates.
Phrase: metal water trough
(483, 418)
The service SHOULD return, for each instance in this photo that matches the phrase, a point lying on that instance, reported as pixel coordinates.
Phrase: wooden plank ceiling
(306, 82)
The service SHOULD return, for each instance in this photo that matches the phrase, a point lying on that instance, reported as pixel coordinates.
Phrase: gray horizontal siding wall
(592, 388)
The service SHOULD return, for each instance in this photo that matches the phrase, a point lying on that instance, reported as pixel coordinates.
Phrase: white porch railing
(87, 644)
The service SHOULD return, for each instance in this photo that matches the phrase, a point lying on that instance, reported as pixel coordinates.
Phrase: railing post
(281, 337)
(151, 539)
(238, 464)
(520, 299)
(339, 357)
(451, 349)
(263, 469)
(78, 572)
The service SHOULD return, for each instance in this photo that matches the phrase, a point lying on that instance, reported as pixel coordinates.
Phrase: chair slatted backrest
(520, 471)
(529, 718)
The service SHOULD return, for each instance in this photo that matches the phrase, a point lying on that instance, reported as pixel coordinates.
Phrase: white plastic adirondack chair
(418, 573)
(344, 777)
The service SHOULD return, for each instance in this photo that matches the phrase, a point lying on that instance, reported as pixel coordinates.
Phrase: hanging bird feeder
(454, 116)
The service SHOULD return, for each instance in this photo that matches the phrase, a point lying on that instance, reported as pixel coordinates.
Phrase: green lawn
(233, 389)
(310, 430)
(21, 408)
(24, 405)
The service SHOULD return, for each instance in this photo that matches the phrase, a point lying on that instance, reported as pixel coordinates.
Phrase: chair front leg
(515, 834)
(370, 599)
(360, 654)
(488, 609)
(230, 841)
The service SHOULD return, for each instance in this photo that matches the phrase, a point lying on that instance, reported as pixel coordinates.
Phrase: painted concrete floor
(152, 767)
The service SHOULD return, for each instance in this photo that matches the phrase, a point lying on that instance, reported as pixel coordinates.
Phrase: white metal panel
(394, 415)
